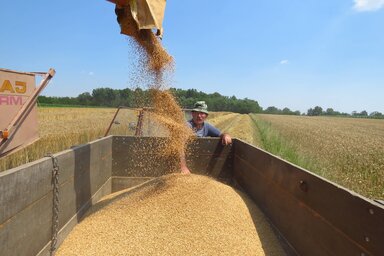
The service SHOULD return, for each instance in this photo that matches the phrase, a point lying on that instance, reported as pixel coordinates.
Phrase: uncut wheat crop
(348, 151)
(63, 128)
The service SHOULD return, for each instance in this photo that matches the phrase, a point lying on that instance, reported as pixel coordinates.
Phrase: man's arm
(225, 139)
(214, 132)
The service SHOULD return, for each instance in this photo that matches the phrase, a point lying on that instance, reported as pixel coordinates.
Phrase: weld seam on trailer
(44, 196)
(30, 205)
(27, 207)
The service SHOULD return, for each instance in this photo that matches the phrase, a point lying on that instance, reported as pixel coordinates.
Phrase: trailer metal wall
(137, 159)
(315, 216)
(86, 173)
(26, 196)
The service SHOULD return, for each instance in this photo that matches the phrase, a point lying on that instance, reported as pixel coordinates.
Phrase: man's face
(198, 117)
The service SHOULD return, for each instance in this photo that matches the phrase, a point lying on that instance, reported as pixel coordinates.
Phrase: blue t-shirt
(207, 130)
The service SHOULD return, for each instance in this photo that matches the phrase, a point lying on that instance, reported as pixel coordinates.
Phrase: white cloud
(282, 62)
(91, 73)
(368, 5)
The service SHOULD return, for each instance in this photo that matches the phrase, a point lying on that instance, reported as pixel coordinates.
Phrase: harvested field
(223, 121)
(174, 215)
(239, 126)
(213, 115)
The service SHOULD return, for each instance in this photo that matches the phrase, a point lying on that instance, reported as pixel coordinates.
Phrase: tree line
(318, 111)
(107, 97)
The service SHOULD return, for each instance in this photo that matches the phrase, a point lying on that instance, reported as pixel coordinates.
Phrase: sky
(295, 54)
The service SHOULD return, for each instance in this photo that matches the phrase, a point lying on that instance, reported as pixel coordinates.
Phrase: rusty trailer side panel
(315, 216)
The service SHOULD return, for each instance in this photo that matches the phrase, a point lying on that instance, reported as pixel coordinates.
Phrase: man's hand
(183, 164)
(226, 139)
(185, 170)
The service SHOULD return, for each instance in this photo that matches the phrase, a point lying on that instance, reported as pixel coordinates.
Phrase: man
(203, 129)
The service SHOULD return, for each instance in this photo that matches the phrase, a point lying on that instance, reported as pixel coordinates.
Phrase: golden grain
(174, 215)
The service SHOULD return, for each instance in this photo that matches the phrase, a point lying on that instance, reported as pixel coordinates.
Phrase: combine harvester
(42, 201)
(18, 95)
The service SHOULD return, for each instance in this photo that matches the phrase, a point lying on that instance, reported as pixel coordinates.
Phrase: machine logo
(12, 94)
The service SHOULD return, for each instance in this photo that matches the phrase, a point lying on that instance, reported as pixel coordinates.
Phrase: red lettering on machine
(11, 100)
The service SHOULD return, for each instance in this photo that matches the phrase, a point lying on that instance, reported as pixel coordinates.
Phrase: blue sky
(295, 54)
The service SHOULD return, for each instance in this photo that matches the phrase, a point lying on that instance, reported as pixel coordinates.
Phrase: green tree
(329, 112)
(363, 113)
(103, 96)
(316, 111)
(376, 114)
(272, 110)
(84, 98)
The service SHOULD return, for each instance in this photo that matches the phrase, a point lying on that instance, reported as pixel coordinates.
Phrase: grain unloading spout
(136, 15)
